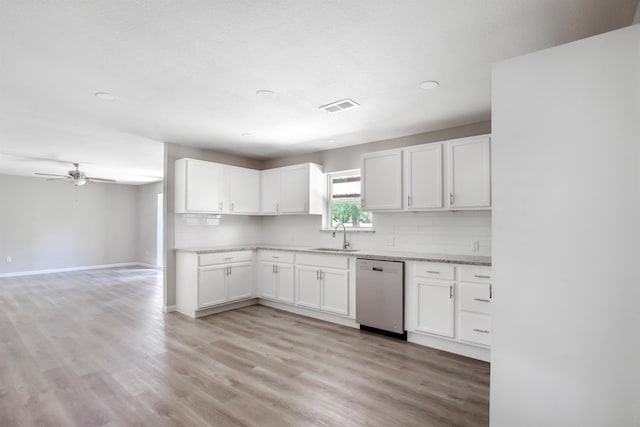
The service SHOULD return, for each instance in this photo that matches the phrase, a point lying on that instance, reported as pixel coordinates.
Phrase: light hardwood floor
(93, 348)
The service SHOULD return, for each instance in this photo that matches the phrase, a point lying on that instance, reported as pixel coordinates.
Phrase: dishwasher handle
(377, 269)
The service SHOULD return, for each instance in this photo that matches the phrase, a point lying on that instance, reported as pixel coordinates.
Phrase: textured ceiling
(187, 72)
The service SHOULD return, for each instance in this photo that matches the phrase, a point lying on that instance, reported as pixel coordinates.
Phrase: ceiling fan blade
(51, 174)
(55, 179)
(90, 178)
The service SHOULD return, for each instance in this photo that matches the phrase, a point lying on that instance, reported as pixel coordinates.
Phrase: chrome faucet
(345, 244)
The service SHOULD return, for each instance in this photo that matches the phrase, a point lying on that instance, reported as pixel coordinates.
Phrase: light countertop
(364, 253)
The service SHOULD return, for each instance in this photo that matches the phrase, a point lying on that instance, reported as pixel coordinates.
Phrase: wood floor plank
(93, 348)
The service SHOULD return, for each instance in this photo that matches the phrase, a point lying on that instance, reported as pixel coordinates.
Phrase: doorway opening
(160, 232)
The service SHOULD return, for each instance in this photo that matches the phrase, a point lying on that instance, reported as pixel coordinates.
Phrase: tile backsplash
(431, 232)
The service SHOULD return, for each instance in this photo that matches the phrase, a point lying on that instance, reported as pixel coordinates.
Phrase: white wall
(566, 227)
(52, 224)
(147, 209)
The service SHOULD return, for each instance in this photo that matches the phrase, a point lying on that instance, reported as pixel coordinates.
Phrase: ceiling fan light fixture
(78, 182)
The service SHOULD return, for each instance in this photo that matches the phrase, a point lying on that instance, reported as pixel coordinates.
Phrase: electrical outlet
(475, 245)
(389, 241)
(9, 258)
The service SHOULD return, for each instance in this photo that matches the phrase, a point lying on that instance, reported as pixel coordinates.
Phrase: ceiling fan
(76, 177)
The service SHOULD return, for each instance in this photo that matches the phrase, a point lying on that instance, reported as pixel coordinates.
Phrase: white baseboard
(480, 353)
(67, 269)
(155, 267)
(169, 308)
(340, 320)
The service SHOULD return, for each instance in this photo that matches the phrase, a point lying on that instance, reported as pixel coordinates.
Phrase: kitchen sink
(334, 250)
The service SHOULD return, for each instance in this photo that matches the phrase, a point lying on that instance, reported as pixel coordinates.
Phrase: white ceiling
(187, 72)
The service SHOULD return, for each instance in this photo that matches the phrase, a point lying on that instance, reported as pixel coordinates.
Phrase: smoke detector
(340, 106)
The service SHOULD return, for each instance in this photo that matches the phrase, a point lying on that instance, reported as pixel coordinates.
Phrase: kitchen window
(344, 201)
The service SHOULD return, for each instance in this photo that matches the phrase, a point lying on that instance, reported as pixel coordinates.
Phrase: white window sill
(350, 230)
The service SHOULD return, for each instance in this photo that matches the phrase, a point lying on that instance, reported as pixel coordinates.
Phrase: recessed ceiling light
(340, 106)
(105, 96)
(429, 84)
(264, 93)
(331, 141)
(246, 134)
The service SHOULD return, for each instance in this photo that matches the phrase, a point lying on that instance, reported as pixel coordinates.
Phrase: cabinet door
(268, 280)
(335, 291)
(244, 190)
(382, 180)
(239, 281)
(270, 191)
(286, 282)
(469, 173)
(424, 177)
(435, 307)
(203, 186)
(308, 284)
(212, 285)
(294, 190)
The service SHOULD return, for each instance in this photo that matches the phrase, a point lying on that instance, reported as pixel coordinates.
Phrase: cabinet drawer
(435, 271)
(475, 274)
(329, 261)
(224, 257)
(475, 297)
(277, 256)
(475, 328)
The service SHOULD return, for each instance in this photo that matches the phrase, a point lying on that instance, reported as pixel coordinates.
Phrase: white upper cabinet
(244, 190)
(469, 173)
(294, 189)
(382, 180)
(270, 191)
(424, 177)
(197, 186)
(207, 187)
(447, 175)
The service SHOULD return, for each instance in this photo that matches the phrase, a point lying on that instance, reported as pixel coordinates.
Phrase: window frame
(330, 176)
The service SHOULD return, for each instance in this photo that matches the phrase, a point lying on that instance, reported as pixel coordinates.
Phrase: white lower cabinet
(434, 291)
(451, 302)
(476, 292)
(277, 276)
(308, 279)
(322, 283)
(224, 283)
(435, 307)
(208, 280)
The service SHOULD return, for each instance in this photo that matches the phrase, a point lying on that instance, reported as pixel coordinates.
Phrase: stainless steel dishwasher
(380, 296)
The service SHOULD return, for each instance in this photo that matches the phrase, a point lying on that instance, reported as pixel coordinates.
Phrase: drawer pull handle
(481, 300)
(433, 272)
(275, 257)
(228, 258)
(482, 331)
(480, 276)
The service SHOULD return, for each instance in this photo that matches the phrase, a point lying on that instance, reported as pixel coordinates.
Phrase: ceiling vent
(340, 106)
